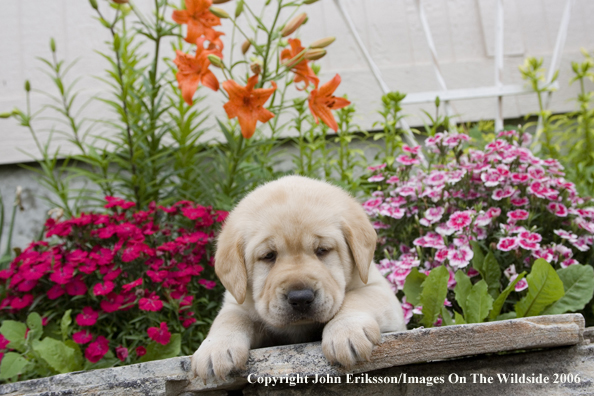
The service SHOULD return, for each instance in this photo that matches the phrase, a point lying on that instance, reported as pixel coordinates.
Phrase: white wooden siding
(462, 31)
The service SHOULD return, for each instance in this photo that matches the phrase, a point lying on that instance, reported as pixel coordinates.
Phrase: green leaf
(544, 288)
(445, 315)
(65, 323)
(435, 289)
(35, 326)
(12, 365)
(578, 283)
(78, 361)
(478, 258)
(500, 300)
(506, 316)
(459, 319)
(412, 286)
(492, 274)
(478, 303)
(156, 351)
(59, 356)
(15, 333)
(462, 289)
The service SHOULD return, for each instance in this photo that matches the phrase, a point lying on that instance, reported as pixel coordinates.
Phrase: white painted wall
(462, 30)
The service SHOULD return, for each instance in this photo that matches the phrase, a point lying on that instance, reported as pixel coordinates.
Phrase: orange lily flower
(246, 103)
(193, 70)
(302, 70)
(198, 18)
(321, 102)
(215, 43)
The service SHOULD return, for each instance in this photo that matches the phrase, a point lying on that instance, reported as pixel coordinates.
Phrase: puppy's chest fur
(267, 336)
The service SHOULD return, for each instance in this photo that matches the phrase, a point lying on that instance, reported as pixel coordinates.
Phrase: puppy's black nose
(301, 300)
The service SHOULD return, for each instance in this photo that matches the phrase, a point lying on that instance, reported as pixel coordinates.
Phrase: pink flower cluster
(511, 202)
(111, 267)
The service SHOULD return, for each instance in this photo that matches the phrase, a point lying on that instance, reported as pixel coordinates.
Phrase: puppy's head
(291, 247)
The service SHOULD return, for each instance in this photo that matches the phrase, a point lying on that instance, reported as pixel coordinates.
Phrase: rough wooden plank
(171, 376)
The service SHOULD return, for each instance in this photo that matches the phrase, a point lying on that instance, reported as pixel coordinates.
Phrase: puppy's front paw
(350, 339)
(218, 356)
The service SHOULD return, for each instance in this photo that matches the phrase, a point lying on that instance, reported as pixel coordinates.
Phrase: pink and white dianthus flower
(441, 255)
(436, 178)
(491, 178)
(566, 263)
(546, 254)
(376, 178)
(502, 193)
(521, 285)
(460, 257)
(391, 211)
(407, 161)
(393, 180)
(460, 219)
(376, 167)
(517, 215)
(493, 212)
(571, 237)
(412, 150)
(519, 201)
(519, 178)
(508, 243)
(433, 215)
(557, 209)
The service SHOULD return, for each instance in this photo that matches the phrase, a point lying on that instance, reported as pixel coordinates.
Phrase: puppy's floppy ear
(230, 264)
(361, 238)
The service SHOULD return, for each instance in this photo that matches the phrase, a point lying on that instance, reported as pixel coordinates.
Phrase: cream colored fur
(323, 241)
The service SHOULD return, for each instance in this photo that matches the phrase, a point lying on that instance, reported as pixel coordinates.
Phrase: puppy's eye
(270, 257)
(321, 252)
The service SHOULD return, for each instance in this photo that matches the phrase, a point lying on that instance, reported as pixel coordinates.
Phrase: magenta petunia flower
(76, 287)
(82, 337)
(97, 349)
(121, 353)
(207, 283)
(102, 289)
(88, 317)
(507, 244)
(160, 334)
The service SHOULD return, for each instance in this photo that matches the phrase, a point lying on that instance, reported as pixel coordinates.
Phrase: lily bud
(310, 1)
(215, 61)
(94, 4)
(294, 24)
(295, 60)
(314, 54)
(53, 44)
(120, 1)
(6, 115)
(256, 67)
(116, 42)
(245, 46)
(321, 43)
(27, 86)
(220, 1)
(239, 8)
(437, 101)
(216, 11)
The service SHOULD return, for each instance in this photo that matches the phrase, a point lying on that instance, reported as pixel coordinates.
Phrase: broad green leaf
(65, 324)
(478, 258)
(459, 319)
(478, 303)
(15, 333)
(78, 361)
(412, 286)
(445, 315)
(578, 283)
(59, 356)
(12, 364)
(156, 351)
(35, 326)
(506, 316)
(435, 289)
(499, 301)
(462, 289)
(544, 288)
(492, 274)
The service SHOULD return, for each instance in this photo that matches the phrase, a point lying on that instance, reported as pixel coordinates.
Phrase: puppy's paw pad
(349, 340)
(217, 358)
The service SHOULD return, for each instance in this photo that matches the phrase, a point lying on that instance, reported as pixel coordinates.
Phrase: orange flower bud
(314, 54)
(220, 1)
(245, 46)
(120, 1)
(321, 43)
(294, 60)
(256, 67)
(294, 24)
(216, 11)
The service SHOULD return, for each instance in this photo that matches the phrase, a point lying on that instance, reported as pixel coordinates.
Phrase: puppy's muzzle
(301, 300)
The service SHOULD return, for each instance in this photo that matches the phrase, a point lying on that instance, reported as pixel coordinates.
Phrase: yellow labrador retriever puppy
(296, 256)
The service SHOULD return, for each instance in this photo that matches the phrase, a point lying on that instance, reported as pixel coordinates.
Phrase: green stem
(269, 42)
